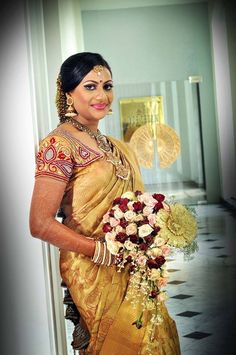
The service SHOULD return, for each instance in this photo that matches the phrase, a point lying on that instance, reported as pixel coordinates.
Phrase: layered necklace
(121, 170)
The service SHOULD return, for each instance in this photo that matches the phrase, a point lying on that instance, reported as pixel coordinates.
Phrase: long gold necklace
(121, 170)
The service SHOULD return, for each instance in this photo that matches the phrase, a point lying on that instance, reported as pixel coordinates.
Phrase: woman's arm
(46, 200)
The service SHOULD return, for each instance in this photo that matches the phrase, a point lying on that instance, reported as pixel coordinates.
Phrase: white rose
(144, 230)
(131, 229)
(159, 241)
(129, 245)
(155, 274)
(113, 222)
(110, 236)
(118, 214)
(129, 216)
(154, 252)
(152, 219)
(119, 229)
(142, 261)
(147, 199)
(113, 246)
(147, 210)
(106, 217)
(138, 217)
(129, 194)
(130, 205)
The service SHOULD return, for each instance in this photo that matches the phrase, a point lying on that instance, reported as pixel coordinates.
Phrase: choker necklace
(121, 170)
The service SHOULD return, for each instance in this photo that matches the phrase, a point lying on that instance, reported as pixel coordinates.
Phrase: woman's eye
(90, 87)
(108, 87)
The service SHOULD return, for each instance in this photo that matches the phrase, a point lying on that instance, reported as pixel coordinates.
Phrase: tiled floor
(202, 292)
(204, 305)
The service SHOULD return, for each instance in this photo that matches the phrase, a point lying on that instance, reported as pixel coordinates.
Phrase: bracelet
(102, 255)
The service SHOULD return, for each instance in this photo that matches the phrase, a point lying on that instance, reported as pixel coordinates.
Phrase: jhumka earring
(70, 111)
(110, 112)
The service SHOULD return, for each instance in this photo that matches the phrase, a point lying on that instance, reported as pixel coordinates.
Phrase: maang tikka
(98, 69)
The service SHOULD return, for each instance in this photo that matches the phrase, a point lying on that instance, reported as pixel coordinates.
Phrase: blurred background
(183, 51)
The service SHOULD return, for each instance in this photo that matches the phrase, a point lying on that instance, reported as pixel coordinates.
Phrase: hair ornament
(98, 69)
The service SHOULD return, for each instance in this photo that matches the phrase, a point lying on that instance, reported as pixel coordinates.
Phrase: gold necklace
(121, 170)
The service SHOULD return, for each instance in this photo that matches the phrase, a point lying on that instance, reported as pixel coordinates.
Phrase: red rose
(137, 206)
(106, 228)
(148, 239)
(137, 193)
(159, 197)
(152, 264)
(116, 201)
(158, 206)
(111, 213)
(125, 201)
(143, 246)
(123, 207)
(129, 259)
(160, 260)
(133, 238)
(153, 294)
(123, 223)
(121, 237)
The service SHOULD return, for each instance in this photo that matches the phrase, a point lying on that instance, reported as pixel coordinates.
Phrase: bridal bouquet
(141, 229)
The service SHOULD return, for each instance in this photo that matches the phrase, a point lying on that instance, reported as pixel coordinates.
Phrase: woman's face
(93, 96)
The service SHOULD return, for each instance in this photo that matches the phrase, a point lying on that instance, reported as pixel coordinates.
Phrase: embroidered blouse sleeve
(54, 158)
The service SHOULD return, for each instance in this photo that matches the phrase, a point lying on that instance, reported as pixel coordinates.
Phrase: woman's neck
(92, 125)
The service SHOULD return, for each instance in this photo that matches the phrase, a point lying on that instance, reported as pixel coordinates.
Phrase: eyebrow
(97, 82)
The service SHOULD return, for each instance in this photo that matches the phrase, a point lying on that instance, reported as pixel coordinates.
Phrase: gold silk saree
(99, 291)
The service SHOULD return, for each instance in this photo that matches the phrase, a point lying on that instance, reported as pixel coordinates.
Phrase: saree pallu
(99, 291)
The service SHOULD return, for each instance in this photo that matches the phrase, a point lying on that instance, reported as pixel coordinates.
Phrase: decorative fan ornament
(168, 144)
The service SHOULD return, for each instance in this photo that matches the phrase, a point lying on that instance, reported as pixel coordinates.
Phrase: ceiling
(88, 5)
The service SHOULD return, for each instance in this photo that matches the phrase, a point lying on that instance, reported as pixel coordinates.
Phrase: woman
(81, 172)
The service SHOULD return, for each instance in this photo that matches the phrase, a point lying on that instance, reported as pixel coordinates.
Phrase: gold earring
(70, 111)
(110, 112)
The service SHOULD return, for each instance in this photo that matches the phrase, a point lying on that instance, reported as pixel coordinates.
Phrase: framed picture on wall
(137, 111)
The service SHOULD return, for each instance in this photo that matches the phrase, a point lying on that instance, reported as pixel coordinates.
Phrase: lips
(100, 106)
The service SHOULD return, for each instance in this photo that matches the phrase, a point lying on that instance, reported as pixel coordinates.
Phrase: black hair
(77, 66)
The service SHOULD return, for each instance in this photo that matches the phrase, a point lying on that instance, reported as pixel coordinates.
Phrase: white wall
(224, 102)
(24, 328)
(171, 44)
